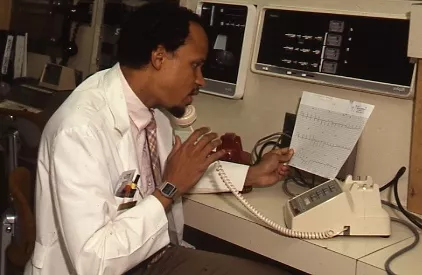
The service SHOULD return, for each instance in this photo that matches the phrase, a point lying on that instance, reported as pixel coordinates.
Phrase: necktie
(151, 133)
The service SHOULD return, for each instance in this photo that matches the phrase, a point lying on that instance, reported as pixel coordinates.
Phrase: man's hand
(270, 170)
(187, 162)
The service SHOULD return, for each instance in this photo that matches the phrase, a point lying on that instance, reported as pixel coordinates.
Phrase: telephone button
(307, 201)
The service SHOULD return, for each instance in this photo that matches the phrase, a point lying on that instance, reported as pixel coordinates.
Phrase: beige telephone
(185, 122)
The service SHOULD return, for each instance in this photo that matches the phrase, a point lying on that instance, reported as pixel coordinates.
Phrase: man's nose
(200, 81)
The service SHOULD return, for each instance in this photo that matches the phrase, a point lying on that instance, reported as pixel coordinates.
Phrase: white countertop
(223, 216)
(410, 263)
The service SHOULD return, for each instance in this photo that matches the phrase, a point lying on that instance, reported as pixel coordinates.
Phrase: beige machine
(60, 78)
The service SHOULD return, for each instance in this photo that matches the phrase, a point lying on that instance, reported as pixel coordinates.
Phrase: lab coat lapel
(127, 152)
(117, 104)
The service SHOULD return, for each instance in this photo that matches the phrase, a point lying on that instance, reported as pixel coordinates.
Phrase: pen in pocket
(134, 187)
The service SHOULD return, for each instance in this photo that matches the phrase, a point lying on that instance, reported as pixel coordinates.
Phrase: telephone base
(349, 208)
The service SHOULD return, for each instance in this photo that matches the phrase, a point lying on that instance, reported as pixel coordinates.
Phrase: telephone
(359, 201)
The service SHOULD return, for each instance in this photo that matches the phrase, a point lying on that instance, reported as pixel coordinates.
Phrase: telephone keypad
(315, 196)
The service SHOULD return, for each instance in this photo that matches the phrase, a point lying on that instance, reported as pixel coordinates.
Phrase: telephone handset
(186, 121)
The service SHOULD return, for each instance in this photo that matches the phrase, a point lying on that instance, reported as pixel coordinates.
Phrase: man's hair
(152, 25)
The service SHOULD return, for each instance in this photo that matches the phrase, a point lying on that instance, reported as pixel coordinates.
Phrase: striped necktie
(151, 133)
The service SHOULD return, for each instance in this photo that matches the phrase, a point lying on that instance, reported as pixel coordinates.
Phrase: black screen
(226, 25)
(52, 74)
(368, 48)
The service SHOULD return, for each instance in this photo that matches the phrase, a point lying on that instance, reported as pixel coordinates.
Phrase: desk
(12, 105)
(224, 217)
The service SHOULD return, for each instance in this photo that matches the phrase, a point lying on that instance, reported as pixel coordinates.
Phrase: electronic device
(167, 189)
(350, 199)
(352, 207)
(354, 51)
(27, 95)
(230, 28)
(60, 78)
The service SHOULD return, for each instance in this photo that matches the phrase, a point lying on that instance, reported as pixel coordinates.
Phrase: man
(90, 218)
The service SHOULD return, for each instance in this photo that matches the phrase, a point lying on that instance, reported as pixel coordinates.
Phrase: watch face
(168, 189)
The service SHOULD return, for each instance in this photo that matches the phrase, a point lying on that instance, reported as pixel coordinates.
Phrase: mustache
(194, 91)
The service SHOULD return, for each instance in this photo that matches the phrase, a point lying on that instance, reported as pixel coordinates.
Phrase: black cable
(265, 145)
(396, 178)
(404, 211)
(413, 218)
(277, 143)
(269, 137)
(396, 197)
(302, 179)
(299, 182)
(415, 232)
(389, 204)
(280, 138)
(286, 188)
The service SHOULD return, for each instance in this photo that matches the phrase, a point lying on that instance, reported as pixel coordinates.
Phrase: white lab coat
(85, 147)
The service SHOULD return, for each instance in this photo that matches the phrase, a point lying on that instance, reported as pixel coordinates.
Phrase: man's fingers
(214, 157)
(193, 138)
(206, 140)
(284, 155)
(283, 151)
(283, 170)
(211, 146)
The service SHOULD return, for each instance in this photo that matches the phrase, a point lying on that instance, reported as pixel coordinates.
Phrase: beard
(177, 111)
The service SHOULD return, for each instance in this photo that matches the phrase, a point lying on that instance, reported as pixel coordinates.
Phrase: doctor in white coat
(95, 143)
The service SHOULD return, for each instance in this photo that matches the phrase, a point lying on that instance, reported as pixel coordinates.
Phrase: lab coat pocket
(124, 203)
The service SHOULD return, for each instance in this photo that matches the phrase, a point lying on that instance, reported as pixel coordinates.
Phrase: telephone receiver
(235, 153)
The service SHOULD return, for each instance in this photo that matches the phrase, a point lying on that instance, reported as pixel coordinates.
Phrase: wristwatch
(167, 189)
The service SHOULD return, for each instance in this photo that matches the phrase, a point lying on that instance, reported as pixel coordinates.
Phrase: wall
(385, 143)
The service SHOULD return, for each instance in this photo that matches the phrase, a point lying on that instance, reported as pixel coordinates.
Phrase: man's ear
(158, 56)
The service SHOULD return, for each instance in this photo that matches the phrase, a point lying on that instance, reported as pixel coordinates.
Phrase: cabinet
(5, 13)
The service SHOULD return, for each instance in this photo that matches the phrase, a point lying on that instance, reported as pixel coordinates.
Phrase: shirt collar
(137, 111)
